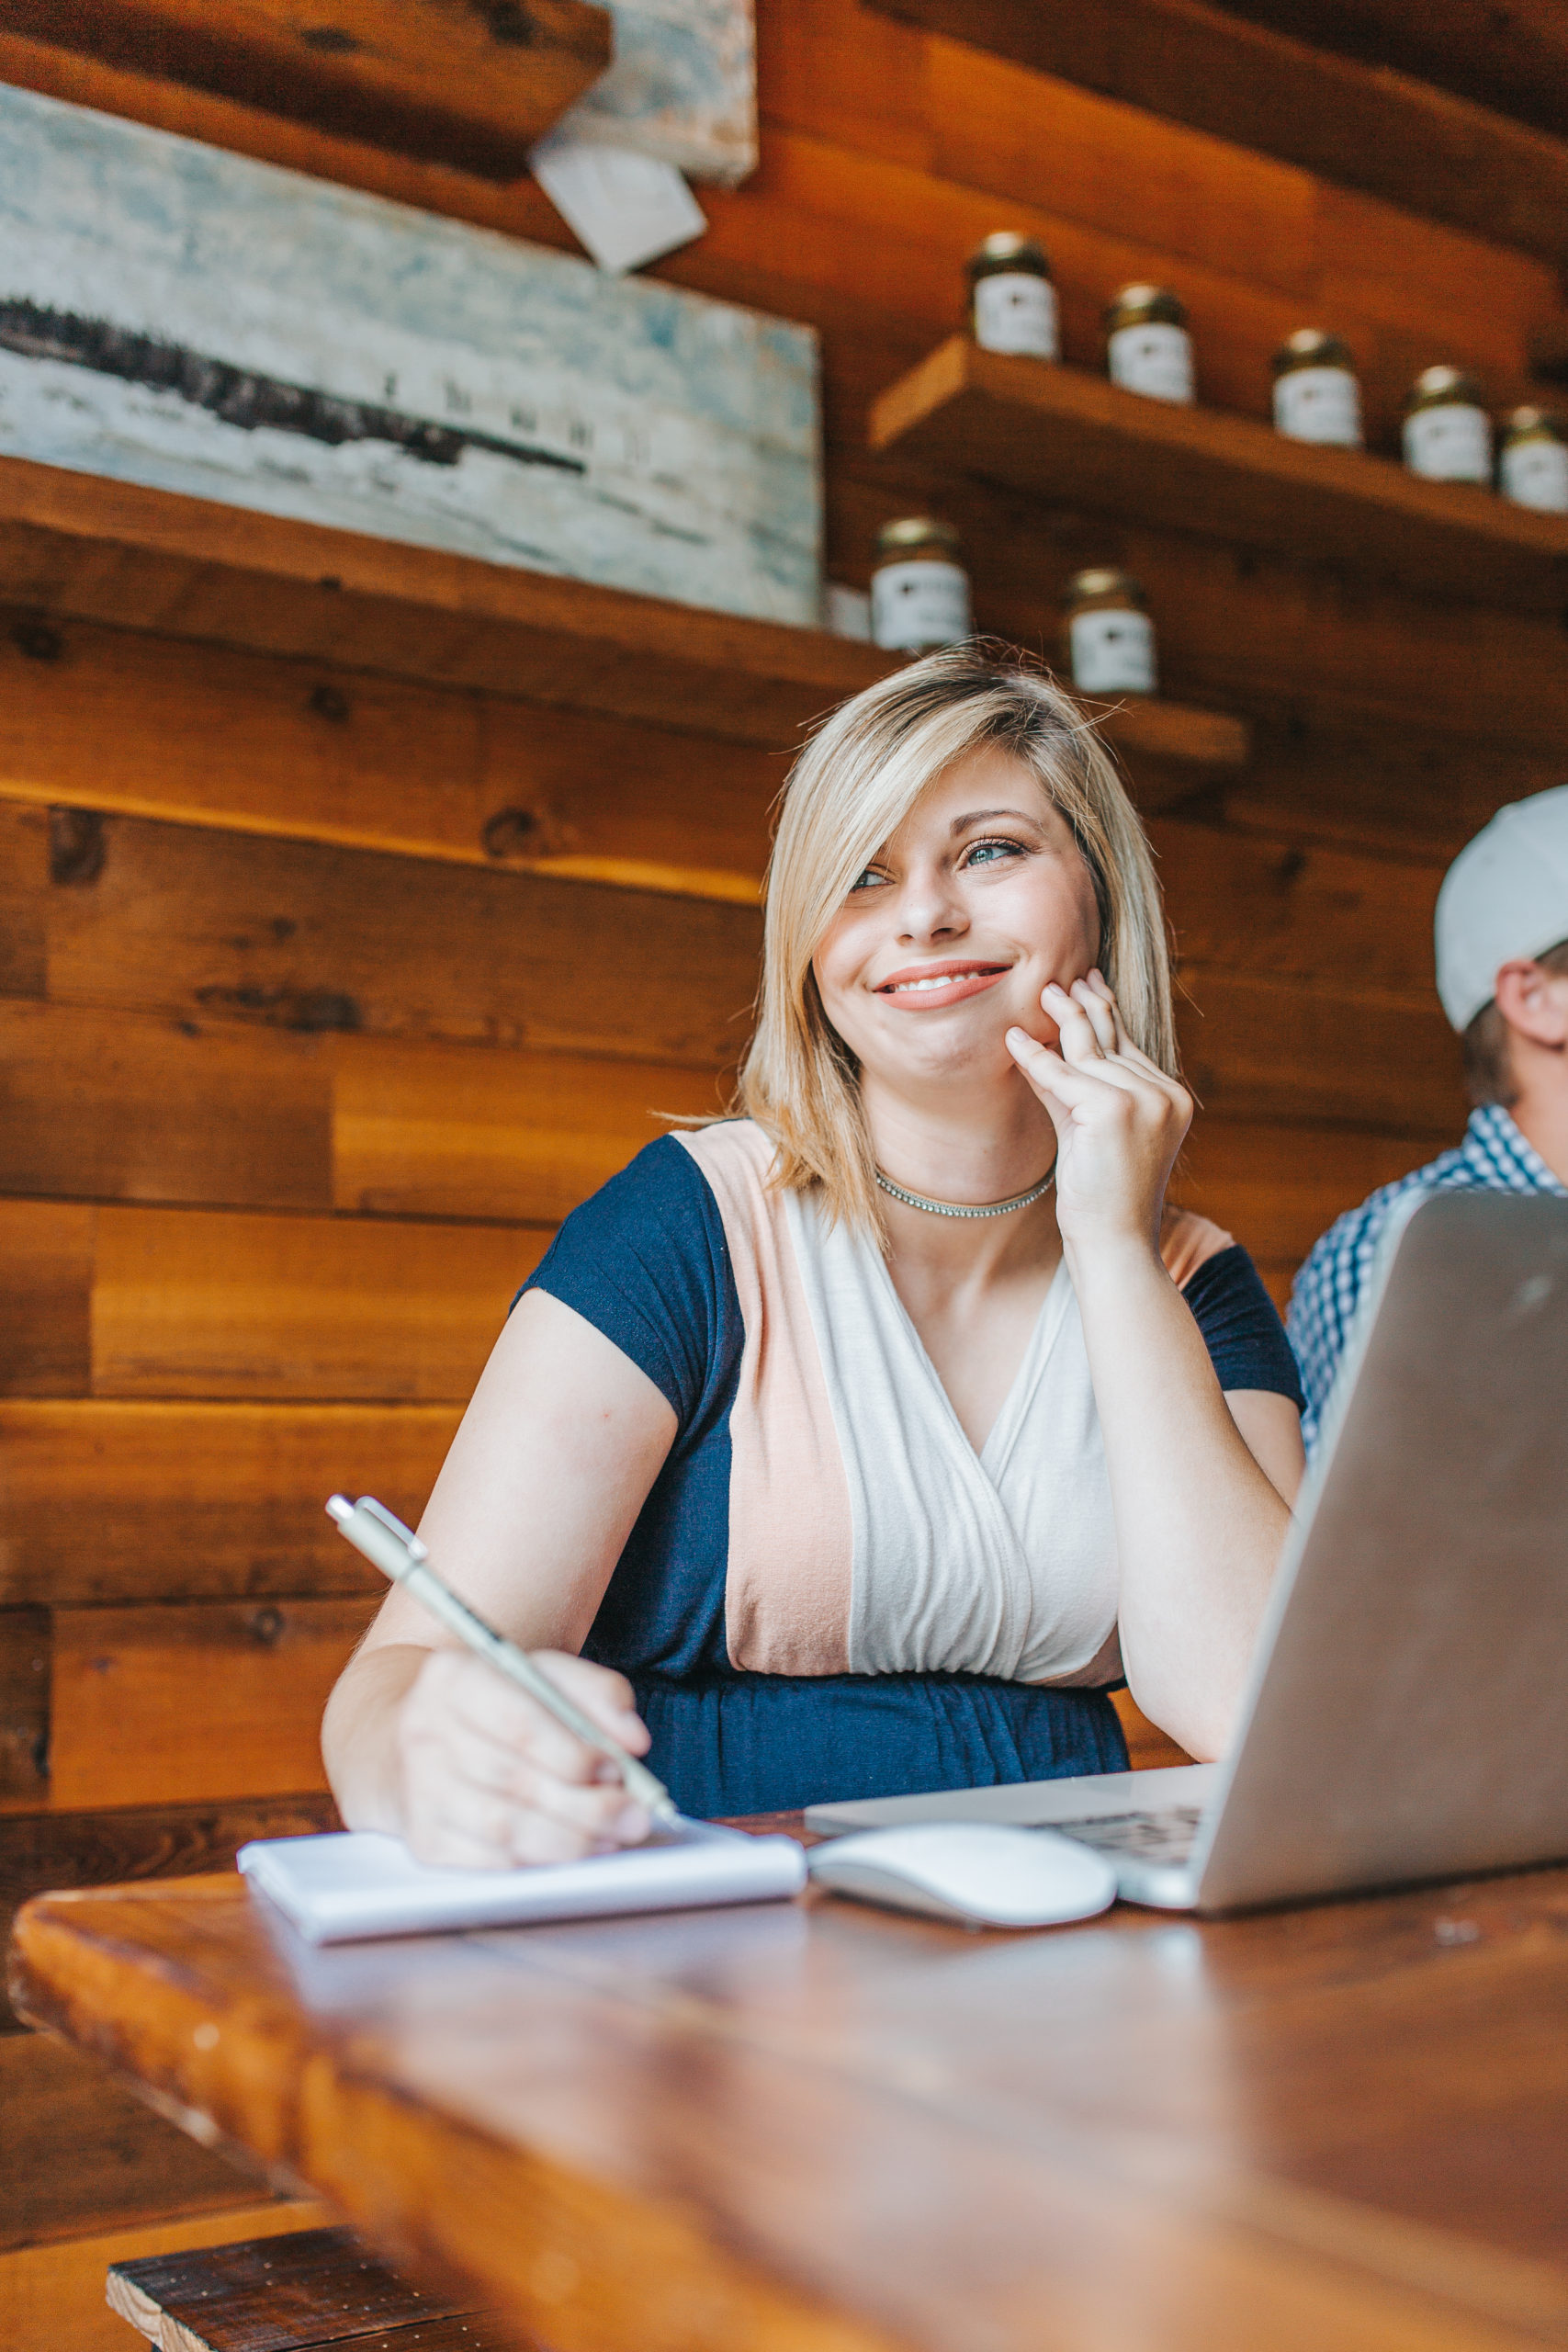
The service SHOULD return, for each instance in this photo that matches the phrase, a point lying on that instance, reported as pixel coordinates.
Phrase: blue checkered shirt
(1494, 1157)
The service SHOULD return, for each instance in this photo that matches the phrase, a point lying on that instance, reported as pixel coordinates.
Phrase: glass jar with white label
(1533, 469)
(1110, 637)
(1012, 302)
(1316, 397)
(920, 590)
(1147, 347)
(1447, 434)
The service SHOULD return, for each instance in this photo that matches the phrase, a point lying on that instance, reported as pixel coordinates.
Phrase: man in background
(1502, 939)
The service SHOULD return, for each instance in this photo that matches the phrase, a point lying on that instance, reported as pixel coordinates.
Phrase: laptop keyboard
(1163, 1837)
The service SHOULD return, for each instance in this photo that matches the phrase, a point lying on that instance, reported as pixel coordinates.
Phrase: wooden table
(1339, 2129)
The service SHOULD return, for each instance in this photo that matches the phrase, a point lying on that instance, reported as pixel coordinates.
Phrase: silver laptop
(1407, 1714)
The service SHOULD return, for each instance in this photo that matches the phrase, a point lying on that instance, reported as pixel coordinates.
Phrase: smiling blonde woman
(861, 1442)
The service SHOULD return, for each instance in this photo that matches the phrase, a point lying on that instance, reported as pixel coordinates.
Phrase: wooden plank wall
(287, 1121)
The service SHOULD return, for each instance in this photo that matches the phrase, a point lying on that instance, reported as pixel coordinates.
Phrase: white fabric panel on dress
(1003, 1563)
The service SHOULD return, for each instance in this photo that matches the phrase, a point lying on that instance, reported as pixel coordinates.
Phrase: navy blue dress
(644, 1260)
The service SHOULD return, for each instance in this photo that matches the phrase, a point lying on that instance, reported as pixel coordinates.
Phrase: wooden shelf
(1067, 436)
(81, 547)
(451, 85)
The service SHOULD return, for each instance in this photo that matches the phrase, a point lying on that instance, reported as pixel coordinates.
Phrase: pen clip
(350, 1520)
(394, 1526)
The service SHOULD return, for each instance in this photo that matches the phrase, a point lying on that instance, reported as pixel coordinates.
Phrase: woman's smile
(924, 987)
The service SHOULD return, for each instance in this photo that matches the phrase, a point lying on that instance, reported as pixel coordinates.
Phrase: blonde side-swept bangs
(852, 786)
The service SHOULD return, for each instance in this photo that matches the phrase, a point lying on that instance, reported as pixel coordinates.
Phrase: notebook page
(359, 1883)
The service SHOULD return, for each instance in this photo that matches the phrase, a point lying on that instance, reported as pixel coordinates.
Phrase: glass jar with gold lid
(1147, 347)
(1447, 434)
(1012, 302)
(1109, 637)
(1316, 396)
(920, 590)
(1532, 468)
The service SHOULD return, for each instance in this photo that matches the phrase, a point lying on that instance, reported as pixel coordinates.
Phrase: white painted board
(682, 87)
(175, 315)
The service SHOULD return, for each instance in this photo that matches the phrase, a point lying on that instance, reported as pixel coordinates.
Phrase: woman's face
(954, 928)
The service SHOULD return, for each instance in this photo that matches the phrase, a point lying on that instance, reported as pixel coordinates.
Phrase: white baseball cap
(1505, 895)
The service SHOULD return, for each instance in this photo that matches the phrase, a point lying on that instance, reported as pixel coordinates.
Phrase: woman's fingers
(607, 1696)
(489, 1771)
(1100, 1008)
(1049, 1074)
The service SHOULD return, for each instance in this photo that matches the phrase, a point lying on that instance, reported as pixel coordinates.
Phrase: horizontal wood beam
(1513, 60)
(469, 87)
(86, 547)
(1366, 125)
(112, 1106)
(201, 1702)
(194, 1303)
(320, 941)
(106, 1503)
(102, 719)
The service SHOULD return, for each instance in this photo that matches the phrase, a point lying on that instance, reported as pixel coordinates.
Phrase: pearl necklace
(960, 1208)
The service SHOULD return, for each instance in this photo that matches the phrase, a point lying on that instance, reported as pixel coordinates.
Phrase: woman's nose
(929, 907)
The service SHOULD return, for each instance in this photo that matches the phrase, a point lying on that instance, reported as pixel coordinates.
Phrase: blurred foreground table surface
(816, 2125)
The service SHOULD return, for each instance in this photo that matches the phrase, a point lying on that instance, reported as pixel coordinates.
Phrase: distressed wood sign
(682, 87)
(177, 315)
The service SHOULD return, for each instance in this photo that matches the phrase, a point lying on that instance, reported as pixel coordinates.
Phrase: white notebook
(360, 1883)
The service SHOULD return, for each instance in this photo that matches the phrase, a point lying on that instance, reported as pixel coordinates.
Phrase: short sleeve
(644, 1260)
(1241, 1326)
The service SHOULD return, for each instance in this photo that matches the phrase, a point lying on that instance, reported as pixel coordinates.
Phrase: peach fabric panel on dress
(1188, 1241)
(791, 1538)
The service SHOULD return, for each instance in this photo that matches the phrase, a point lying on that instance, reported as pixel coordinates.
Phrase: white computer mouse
(981, 1874)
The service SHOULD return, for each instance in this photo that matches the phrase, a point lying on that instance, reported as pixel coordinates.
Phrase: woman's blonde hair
(849, 792)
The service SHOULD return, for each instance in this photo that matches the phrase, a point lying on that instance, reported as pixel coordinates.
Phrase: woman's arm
(555, 1457)
(1198, 1482)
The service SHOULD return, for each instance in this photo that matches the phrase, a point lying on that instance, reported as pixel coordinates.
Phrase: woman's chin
(976, 1057)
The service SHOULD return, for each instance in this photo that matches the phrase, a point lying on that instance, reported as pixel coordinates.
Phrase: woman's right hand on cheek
(490, 1780)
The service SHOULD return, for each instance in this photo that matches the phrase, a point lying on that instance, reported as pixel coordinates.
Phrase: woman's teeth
(935, 980)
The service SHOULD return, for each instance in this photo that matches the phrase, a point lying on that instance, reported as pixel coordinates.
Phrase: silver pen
(397, 1551)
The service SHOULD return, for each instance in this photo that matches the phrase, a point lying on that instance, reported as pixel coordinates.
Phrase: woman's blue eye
(865, 878)
(987, 852)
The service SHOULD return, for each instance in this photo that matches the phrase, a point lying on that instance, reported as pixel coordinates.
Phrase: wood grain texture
(25, 1663)
(46, 1257)
(104, 720)
(197, 1304)
(438, 1131)
(109, 1501)
(1268, 906)
(82, 2154)
(81, 547)
(118, 1107)
(208, 926)
(1517, 64)
(1149, 1747)
(44, 1850)
(95, 1107)
(1257, 1049)
(313, 2287)
(196, 1701)
(1276, 1188)
(1371, 127)
(824, 2124)
(202, 927)
(1062, 433)
(52, 2296)
(423, 78)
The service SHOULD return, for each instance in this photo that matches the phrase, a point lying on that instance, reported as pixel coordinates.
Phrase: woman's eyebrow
(989, 815)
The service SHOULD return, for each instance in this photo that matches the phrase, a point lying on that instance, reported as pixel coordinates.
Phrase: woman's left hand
(1120, 1120)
